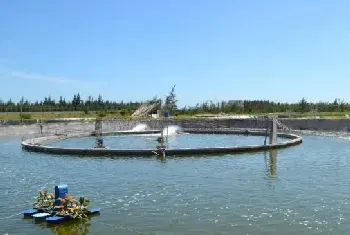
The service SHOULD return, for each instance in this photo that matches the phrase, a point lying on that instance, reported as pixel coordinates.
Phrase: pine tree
(170, 101)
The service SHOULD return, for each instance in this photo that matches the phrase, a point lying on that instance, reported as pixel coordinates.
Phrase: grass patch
(25, 116)
(53, 115)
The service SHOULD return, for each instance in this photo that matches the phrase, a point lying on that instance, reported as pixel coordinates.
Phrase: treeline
(263, 106)
(62, 105)
(99, 104)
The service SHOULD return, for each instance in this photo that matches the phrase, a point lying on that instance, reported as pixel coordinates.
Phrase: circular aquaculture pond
(149, 141)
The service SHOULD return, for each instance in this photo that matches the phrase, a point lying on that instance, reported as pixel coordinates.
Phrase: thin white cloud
(40, 77)
(6, 71)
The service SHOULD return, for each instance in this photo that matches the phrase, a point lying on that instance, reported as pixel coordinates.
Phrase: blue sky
(212, 50)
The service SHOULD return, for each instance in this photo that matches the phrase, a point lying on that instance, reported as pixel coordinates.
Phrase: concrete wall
(318, 124)
(56, 126)
(48, 128)
(295, 124)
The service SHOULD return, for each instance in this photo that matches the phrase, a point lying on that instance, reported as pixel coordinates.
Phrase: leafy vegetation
(45, 200)
(263, 106)
(171, 101)
(77, 209)
(76, 104)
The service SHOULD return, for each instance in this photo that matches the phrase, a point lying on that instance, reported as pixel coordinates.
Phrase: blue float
(41, 216)
(100, 141)
(55, 219)
(94, 211)
(30, 212)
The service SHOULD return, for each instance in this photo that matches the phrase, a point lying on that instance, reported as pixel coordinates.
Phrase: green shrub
(25, 116)
(102, 114)
(123, 113)
(86, 110)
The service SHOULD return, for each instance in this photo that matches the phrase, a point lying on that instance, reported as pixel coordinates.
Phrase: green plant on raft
(74, 208)
(84, 202)
(45, 200)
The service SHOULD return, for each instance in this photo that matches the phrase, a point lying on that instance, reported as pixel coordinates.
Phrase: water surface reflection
(271, 163)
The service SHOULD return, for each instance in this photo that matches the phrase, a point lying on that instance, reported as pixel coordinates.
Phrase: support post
(41, 126)
(162, 137)
(98, 127)
(167, 133)
(273, 132)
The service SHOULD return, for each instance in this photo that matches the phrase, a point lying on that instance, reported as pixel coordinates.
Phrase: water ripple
(301, 190)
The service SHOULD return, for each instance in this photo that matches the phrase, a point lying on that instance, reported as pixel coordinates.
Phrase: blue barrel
(100, 141)
(61, 191)
(166, 114)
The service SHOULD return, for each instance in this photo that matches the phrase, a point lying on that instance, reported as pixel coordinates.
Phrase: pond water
(146, 141)
(298, 190)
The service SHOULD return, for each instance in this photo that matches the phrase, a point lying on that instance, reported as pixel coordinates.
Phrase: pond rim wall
(34, 145)
(320, 124)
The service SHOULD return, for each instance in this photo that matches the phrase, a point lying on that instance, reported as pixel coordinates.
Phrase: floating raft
(51, 216)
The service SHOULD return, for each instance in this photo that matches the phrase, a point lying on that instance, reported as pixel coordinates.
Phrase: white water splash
(140, 127)
(171, 130)
(167, 132)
